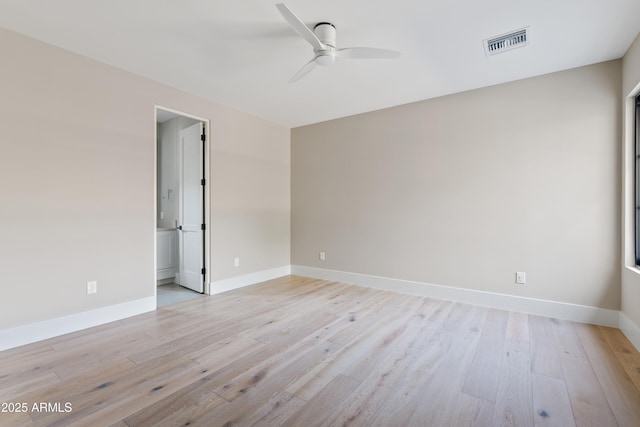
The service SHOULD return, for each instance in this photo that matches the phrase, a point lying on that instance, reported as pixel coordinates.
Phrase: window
(637, 178)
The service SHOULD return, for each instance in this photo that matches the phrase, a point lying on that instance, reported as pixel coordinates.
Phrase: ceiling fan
(323, 40)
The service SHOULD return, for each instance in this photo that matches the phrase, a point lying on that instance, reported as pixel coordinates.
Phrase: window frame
(636, 135)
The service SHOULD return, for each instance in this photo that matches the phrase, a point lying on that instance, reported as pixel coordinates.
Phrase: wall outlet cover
(92, 287)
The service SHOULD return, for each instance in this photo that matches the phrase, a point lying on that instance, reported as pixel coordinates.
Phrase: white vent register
(505, 42)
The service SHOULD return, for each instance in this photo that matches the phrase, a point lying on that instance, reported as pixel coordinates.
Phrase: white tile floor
(169, 294)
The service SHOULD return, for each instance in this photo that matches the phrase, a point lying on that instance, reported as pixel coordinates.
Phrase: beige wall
(630, 274)
(467, 189)
(251, 196)
(77, 183)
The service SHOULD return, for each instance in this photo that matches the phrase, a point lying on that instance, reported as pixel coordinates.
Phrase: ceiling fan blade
(367, 53)
(306, 69)
(299, 26)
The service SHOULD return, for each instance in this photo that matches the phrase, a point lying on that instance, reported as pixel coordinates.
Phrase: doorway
(182, 205)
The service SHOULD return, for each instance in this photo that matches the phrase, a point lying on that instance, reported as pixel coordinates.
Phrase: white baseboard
(21, 335)
(558, 310)
(630, 330)
(248, 279)
(26, 334)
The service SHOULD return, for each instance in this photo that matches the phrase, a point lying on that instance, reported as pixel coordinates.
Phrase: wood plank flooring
(303, 352)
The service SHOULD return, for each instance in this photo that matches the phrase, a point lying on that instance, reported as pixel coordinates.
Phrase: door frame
(207, 193)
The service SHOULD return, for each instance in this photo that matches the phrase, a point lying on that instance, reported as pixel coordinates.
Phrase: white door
(191, 219)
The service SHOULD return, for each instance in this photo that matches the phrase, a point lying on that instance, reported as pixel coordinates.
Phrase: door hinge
(203, 226)
(203, 137)
(203, 271)
(203, 181)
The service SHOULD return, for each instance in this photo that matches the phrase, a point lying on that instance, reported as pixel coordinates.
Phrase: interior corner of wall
(630, 330)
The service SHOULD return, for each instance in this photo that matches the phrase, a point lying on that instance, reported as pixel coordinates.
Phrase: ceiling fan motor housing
(326, 33)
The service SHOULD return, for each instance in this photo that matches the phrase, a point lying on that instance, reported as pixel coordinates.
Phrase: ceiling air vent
(505, 42)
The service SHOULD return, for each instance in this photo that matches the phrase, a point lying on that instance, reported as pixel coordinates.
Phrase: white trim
(248, 279)
(630, 330)
(633, 269)
(21, 335)
(559, 310)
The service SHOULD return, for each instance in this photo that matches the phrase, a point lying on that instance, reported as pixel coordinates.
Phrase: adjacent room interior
(230, 238)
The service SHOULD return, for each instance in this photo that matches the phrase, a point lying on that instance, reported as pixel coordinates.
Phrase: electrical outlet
(322, 256)
(92, 287)
(236, 262)
(521, 278)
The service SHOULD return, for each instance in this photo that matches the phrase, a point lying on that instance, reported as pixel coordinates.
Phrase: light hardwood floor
(303, 352)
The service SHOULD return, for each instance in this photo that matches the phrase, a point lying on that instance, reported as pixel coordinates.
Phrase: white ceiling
(242, 53)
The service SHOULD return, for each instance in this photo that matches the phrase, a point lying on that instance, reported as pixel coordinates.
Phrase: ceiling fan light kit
(323, 41)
